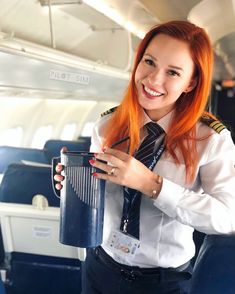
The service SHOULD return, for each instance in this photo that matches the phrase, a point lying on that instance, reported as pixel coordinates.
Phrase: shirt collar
(164, 122)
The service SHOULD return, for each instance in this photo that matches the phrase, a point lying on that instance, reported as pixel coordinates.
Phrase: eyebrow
(171, 66)
(176, 67)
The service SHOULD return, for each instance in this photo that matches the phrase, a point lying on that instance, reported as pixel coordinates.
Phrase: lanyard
(129, 202)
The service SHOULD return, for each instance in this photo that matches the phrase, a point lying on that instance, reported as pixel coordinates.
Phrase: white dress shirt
(167, 223)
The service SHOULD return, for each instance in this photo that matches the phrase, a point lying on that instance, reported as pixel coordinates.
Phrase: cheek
(137, 75)
(141, 73)
(177, 87)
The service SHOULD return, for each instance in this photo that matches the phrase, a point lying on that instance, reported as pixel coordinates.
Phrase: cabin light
(113, 14)
(228, 83)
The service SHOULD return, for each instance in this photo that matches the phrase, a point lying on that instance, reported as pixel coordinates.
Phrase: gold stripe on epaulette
(108, 111)
(217, 126)
(221, 128)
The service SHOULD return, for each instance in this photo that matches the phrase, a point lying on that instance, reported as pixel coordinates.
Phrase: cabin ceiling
(79, 30)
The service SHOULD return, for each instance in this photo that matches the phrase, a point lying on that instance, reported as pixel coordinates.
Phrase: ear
(191, 85)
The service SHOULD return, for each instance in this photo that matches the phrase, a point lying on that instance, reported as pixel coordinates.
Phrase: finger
(117, 153)
(64, 149)
(100, 165)
(105, 177)
(58, 186)
(58, 178)
(59, 167)
(111, 159)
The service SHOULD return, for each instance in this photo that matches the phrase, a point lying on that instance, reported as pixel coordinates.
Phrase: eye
(173, 73)
(149, 61)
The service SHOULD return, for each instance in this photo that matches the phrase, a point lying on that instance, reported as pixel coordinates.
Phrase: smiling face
(163, 74)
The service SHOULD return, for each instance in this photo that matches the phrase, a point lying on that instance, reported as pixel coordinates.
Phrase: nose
(155, 77)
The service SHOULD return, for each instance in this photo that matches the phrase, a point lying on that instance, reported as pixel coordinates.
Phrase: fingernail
(58, 178)
(91, 161)
(58, 168)
(94, 174)
(58, 186)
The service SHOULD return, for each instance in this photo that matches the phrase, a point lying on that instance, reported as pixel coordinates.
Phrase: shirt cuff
(169, 197)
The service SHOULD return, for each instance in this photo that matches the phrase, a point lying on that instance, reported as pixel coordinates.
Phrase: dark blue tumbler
(81, 201)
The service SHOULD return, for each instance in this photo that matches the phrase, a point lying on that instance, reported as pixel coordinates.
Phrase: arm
(96, 142)
(212, 212)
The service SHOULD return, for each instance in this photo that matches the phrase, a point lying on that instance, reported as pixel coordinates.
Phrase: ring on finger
(112, 172)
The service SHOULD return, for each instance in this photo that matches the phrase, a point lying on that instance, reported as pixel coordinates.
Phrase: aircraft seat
(2, 287)
(21, 182)
(214, 270)
(53, 146)
(35, 261)
(9, 154)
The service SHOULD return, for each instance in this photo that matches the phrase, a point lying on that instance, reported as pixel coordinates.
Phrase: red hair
(189, 108)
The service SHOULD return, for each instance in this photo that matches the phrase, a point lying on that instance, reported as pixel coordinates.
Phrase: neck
(156, 115)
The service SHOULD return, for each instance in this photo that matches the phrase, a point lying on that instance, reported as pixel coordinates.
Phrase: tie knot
(154, 128)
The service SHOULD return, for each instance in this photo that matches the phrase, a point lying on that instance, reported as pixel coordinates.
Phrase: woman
(152, 206)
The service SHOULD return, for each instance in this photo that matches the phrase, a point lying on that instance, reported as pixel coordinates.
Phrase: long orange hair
(127, 119)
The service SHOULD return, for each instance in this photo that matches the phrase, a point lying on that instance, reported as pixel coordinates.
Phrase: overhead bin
(20, 72)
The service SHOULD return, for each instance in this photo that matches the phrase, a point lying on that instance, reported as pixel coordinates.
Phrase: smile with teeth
(152, 93)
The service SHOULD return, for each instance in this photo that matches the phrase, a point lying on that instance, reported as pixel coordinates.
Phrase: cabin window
(12, 137)
(68, 132)
(41, 136)
(87, 129)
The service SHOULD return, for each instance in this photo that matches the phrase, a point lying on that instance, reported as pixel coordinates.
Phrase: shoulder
(109, 111)
(103, 120)
(213, 123)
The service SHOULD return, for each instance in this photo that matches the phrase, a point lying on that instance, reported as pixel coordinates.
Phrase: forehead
(168, 49)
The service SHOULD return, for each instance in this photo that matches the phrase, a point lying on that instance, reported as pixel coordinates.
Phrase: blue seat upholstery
(2, 288)
(38, 274)
(34, 273)
(53, 147)
(21, 182)
(214, 270)
(9, 154)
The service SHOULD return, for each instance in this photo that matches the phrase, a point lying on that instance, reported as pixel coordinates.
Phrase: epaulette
(111, 110)
(215, 124)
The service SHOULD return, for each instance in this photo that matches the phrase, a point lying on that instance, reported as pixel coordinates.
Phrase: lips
(151, 93)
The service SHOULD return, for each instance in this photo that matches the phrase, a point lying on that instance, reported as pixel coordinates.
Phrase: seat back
(53, 147)
(21, 182)
(214, 270)
(9, 154)
(2, 287)
(37, 263)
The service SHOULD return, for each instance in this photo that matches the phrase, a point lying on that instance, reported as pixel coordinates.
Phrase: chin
(148, 105)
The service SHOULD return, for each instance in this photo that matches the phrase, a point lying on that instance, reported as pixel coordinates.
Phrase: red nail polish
(94, 174)
(91, 161)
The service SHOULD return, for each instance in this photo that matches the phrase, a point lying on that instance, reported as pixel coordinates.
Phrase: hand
(58, 177)
(59, 168)
(125, 170)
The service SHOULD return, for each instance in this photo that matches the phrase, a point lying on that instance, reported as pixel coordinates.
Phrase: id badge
(123, 245)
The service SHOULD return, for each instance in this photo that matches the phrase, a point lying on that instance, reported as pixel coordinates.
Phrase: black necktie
(132, 198)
